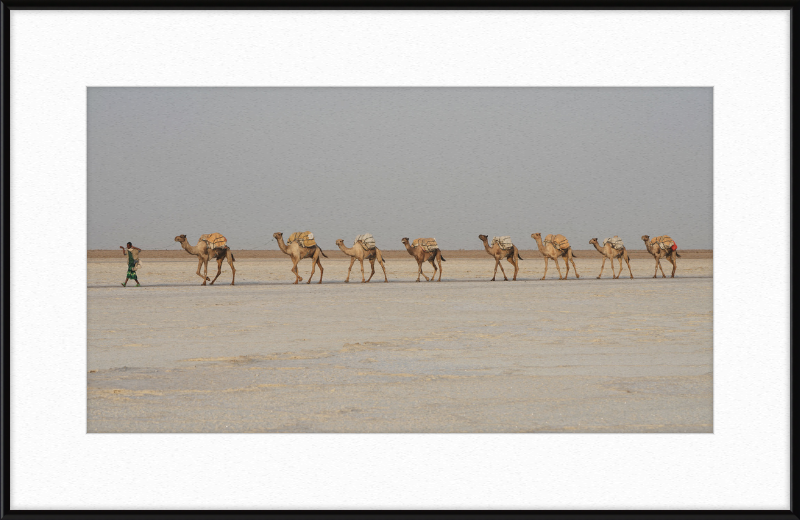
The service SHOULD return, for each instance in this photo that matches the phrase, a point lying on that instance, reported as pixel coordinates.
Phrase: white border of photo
(56, 55)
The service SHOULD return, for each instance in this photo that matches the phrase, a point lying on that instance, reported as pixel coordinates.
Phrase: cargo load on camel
(427, 244)
(558, 241)
(367, 239)
(665, 243)
(303, 238)
(214, 240)
(615, 242)
(505, 242)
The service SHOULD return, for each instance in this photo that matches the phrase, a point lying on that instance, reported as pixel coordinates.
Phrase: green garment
(131, 267)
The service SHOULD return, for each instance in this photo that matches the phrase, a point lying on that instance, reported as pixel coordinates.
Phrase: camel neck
(282, 246)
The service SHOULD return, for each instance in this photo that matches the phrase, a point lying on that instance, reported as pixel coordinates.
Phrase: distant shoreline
(389, 254)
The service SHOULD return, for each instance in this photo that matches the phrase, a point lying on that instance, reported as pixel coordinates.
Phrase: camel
(512, 255)
(298, 252)
(609, 252)
(203, 255)
(420, 255)
(548, 252)
(658, 254)
(360, 253)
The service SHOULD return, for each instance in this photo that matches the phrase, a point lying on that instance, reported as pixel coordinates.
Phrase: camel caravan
(302, 245)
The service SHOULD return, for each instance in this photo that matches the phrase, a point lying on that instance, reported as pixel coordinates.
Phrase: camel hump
(428, 244)
(367, 239)
(504, 241)
(215, 240)
(304, 238)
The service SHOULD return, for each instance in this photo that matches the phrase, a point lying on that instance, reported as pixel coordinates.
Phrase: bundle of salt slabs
(303, 238)
(214, 240)
(428, 244)
(367, 239)
(664, 242)
(615, 241)
(558, 241)
(505, 242)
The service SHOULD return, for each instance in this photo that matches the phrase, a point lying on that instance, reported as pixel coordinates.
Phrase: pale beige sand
(582, 355)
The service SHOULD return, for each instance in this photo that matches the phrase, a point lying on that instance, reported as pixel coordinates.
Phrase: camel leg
(199, 265)
(230, 263)
(674, 263)
(505, 278)
(362, 270)
(420, 272)
(513, 261)
(602, 266)
(559, 269)
(219, 270)
(319, 263)
(434, 270)
(313, 269)
(352, 261)
(628, 261)
(496, 263)
(297, 277)
(569, 256)
(545, 267)
(439, 259)
(372, 265)
(386, 278)
(658, 264)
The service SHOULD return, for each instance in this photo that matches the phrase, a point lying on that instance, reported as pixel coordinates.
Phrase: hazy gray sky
(450, 163)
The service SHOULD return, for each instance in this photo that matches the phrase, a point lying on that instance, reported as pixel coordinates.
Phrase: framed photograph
(373, 246)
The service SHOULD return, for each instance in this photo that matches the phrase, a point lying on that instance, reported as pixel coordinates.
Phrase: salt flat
(463, 355)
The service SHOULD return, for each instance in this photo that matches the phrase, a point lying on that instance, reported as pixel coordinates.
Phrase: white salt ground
(581, 355)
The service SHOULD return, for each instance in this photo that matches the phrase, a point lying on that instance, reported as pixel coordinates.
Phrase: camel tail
(443, 260)
(677, 254)
(520, 256)
(322, 252)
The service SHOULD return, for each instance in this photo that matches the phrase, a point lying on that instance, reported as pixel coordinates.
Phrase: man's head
(130, 245)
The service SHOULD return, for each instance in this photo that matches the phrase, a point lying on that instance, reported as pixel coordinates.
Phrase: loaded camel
(204, 254)
(550, 252)
(658, 253)
(298, 252)
(421, 256)
(609, 252)
(496, 252)
(360, 252)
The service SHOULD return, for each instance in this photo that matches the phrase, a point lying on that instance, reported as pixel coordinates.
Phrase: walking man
(133, 263)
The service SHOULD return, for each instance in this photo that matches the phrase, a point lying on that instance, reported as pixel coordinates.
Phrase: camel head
(277, 236)
(645, 237)
(593, 241)
(180, 238)
(340, 242)
(482, 237)
(405, 240)
(536, 235)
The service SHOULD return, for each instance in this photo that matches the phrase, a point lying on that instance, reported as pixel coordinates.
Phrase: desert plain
(463, 355)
